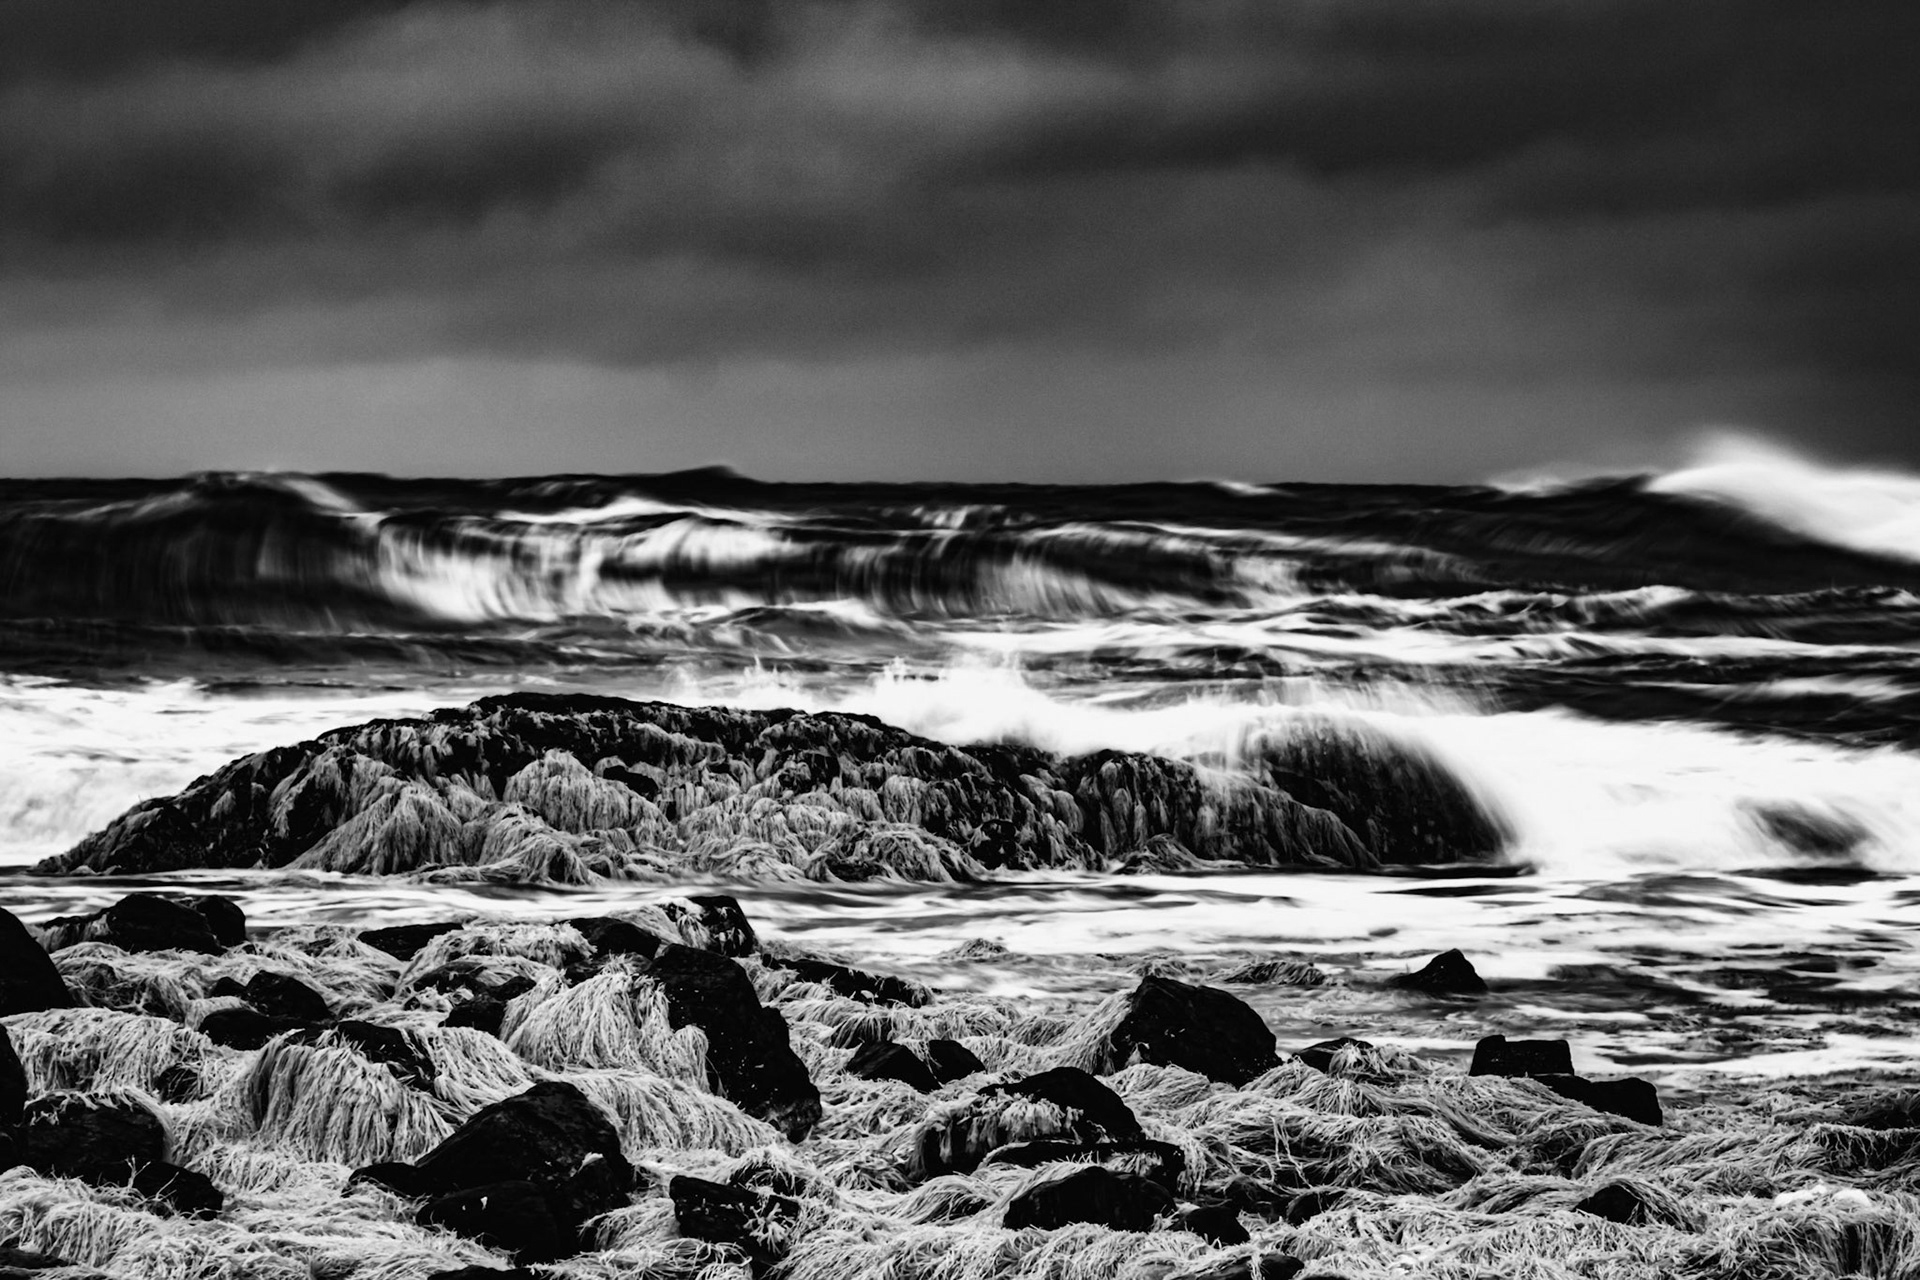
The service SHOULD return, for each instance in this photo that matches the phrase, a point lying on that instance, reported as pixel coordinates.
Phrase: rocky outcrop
(1498, 1056)
(570, 788)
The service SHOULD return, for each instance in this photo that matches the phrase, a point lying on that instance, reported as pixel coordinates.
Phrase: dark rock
(225, 918)
(482, 1013)
(1320, 1056)
(398, 1050)
(1219, 1223)
(178, 1083)
(610, 936)
(553, 1136)
(182, 1190)
(1203, 1029)
(28, 980)
(227, 985)
(71, 1135)
(1499, 1056)
(1252, 1195)
(1271, 1266)
(886, 1060)
(1448, 974)
(244, 1028)
(1313, 1202)
(403, 941)
(855, 984)
(13, 1082)
(752, 1221)
(1632, 1097)
(484, 1273)
(1122, 1201)
(395, 1175)
(726, 926)
(1617, 1202)
(748, 1050)
(952, 1061)
(1162, 1162)
(1080, 1091)
(149, 922)
(514, 1217)
(280, 996)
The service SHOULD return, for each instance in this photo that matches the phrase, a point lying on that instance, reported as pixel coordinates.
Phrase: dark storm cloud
(1636, 188)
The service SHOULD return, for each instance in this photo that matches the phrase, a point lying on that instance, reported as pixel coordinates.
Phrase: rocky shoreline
(668, 1093)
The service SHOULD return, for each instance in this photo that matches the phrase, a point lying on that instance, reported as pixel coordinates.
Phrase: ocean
(1687, 702)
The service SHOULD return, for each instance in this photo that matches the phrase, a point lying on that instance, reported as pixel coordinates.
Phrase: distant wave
(1864, 509)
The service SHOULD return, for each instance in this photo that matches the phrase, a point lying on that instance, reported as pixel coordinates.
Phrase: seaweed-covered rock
(1162, 1162)
(245, 1027)
(1080, 1091)
(1218, 1222)
(1448, 974)
(28, 980)
(1203, 1029)
(714, 922)
(13, 1082)
(952, 1060)
(569, 787)
(885, 1060)
(1321, 1056)
(1125, 1202)
(482, 1013)
(1078, 1110)
(1498, 1056)
(395, 1048)
(1313, 1202)
(752, 1221)
(748, 1051)
(73, 1135)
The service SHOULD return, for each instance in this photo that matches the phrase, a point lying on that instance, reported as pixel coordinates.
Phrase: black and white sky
(969, 239)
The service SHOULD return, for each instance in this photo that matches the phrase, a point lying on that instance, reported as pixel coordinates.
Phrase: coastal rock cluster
(666, 1093)
(566, 789)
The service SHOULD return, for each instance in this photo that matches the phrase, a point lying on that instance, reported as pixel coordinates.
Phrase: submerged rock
(566, 788)
(1448, 974)
(1203, 1029)
(29, 982)
(1124, 1202)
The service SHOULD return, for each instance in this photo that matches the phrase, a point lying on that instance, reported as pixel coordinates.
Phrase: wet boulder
(515, 1217)
(855, 984)
(1161, 1162)
(398, 1050)
(1631, 1097)
(13, 1082)
(553, 1136)
(404, 941)
(1448, 974)
(1124, 1202)
(73, 1135)
(286, 998)
(1321, 1056)
(885, 1060)
(749, 1053)
(1202, 1029)
(482, 1013)
(28, 980)
(1219, 1223)
(753, 1221)
(952, 1060)
(1080, 1110)
(244, 1027)
(182, 1191)
(225, 918)
(1080, 1091)
(149, 922)
(1498, 1056)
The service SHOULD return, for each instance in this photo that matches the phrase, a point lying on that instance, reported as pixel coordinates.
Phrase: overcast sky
(1020, 239)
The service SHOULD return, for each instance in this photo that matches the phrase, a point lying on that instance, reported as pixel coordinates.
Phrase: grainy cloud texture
(969, 238)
